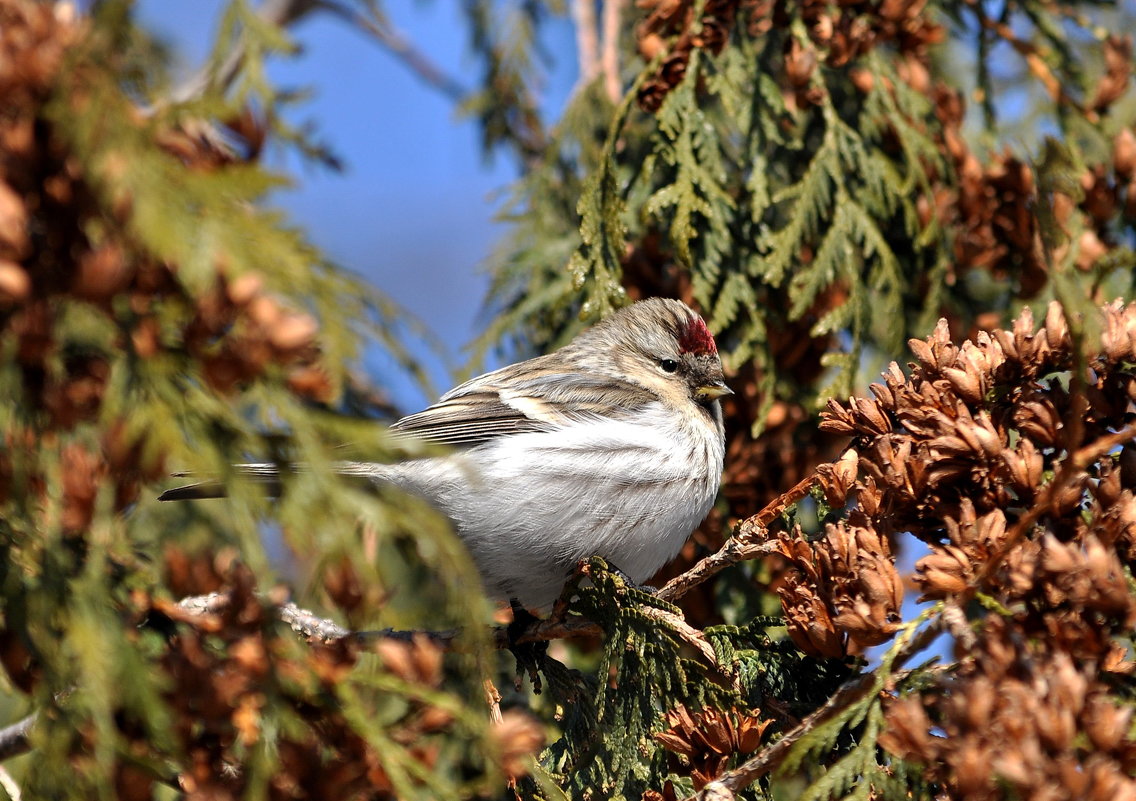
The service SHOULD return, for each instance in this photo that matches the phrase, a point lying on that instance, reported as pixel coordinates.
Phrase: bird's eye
(668, 365)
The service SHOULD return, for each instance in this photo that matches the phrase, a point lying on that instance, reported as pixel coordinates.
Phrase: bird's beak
(713, 391)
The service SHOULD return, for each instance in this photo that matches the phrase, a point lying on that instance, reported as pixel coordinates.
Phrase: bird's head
(665, 346)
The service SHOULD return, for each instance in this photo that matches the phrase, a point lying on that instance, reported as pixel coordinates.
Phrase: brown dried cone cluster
(230, 663)
(1020, 720)
(61, 242)
(991, 209)
(703, 743)
(1022, 486)
(845, 594)
(839, 35)
(836, 36)
(668, 18)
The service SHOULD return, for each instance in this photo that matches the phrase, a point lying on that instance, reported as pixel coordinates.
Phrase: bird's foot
(591, 568)
(530, 656)
(630, 582)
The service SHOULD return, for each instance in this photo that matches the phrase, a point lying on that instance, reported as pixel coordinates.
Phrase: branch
(612, 11)
(400, 47)
(587, 42)
(320, 629)
(548, 629)
(851, 692)
(555, 627)
(14, 738)
(749, 541)
(694, 638)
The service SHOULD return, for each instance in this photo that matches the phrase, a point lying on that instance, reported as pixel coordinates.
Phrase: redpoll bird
(610, 446)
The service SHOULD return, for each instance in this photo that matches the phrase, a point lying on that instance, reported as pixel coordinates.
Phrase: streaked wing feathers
(467, 421)
(519, 399)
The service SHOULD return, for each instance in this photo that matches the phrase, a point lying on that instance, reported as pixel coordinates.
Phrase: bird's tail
(267, 474)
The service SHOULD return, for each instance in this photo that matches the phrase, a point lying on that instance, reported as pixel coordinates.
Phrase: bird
(611, 446)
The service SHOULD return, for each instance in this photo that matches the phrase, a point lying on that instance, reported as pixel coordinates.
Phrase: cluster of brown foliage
(1020, 720)
(230, 662)
(704, 742)
(258, 333)
(1014, 463)
(862, 597)
(992, 208)
(222, 665)
(668, 18)
(836, 37)
(62, 242)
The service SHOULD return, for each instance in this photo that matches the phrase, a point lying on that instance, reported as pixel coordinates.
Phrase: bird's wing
(537, 395)
(531, 396)
(468, 421)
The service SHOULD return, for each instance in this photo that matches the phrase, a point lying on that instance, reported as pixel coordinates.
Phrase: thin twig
(9, 785)
(749, 541)
(613, 83)
(284, 13)
(14, 738)
(493, 698)
(587, 41)
(400, 47)
(280, 13)
(1033, 57)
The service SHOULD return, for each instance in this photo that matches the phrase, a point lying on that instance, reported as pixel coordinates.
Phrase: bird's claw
(529, 655)
(588, 566)
(630, 583)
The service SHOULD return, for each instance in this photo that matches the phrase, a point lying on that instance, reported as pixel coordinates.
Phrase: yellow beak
(713, 391)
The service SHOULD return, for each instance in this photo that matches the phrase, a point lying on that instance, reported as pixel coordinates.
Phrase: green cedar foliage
(164, 317)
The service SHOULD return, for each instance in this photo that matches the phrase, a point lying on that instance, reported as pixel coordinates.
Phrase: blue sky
(412, 210)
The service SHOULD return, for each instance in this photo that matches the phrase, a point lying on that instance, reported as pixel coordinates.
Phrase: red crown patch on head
(696, 338)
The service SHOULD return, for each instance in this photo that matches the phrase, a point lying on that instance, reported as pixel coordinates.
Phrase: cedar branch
(769, 758)
(749, 541)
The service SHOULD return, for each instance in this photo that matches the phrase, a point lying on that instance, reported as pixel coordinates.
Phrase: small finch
(610, 446)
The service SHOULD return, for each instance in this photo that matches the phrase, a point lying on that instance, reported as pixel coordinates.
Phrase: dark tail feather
(267, 474)
(203, 489)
